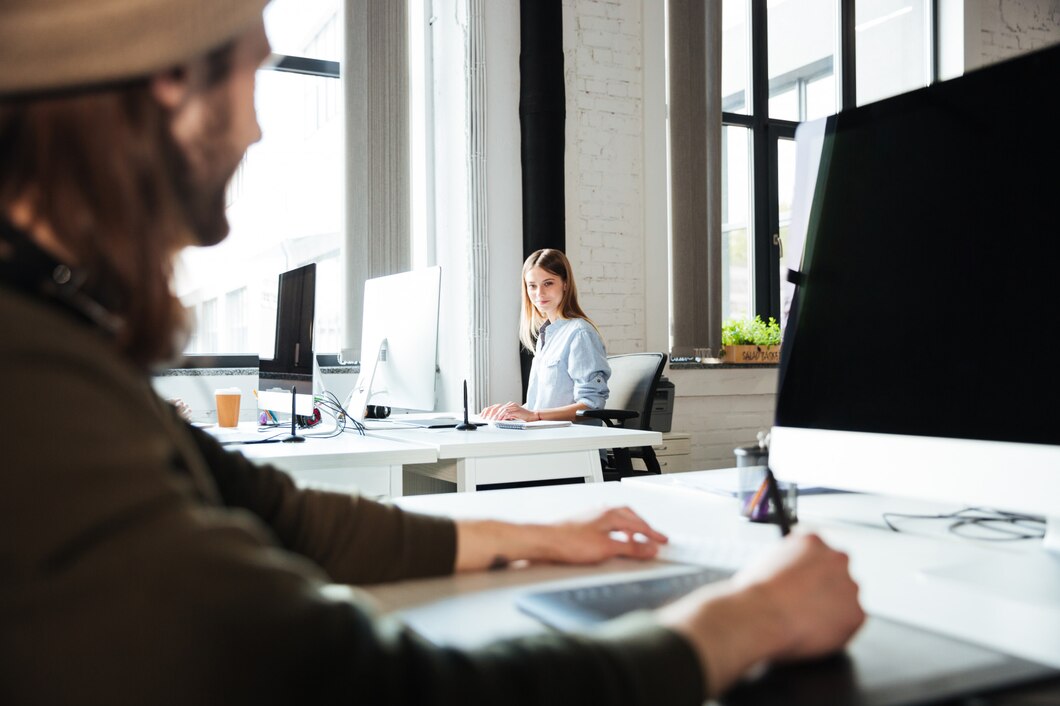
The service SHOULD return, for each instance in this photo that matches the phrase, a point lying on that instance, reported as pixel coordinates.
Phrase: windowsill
(723, 366)
(205, 372)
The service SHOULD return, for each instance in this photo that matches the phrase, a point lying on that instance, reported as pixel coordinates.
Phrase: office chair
(634, 381)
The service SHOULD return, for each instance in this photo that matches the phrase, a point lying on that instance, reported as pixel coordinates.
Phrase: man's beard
(202, 192)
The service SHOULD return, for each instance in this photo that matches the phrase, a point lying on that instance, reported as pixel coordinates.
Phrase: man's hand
(799, 602)
(615, 532)
(610, 533)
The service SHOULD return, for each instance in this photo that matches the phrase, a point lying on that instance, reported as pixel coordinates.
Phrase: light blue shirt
(570, 365)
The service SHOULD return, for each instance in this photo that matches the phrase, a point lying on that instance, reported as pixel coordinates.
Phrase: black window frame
(766, 133)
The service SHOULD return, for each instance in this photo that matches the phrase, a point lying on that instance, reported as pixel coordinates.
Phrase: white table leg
(466, 480)
(594, 473)
(397, 481)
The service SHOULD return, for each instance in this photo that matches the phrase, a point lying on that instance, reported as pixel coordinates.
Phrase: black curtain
(542, 110)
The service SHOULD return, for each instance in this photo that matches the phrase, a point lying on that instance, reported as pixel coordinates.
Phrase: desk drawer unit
(674, 453)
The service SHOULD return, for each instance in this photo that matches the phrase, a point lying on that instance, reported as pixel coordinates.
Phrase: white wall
(505, 207)
(1012, 27)
(450, 193)
(604, 176)
(722, 409)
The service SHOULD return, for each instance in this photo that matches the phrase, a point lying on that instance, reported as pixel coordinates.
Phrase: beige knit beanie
(56, 44)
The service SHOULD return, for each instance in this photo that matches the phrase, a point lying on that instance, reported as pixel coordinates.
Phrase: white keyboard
(722, 553)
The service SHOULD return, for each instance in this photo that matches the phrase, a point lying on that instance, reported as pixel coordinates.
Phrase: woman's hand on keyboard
(509, 410)
(797, 602)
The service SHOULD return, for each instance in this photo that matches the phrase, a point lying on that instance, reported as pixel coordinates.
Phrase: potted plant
(750, 341)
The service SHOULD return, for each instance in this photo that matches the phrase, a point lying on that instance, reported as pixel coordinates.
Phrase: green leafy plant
(750, 332)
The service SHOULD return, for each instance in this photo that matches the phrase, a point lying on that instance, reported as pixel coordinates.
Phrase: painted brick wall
(1011, 27)
(604, 165)
(722, 409)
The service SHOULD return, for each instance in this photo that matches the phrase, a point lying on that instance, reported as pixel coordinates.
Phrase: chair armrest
(608, 415)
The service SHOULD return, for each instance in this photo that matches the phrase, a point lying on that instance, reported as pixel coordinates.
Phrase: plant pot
(753, 355)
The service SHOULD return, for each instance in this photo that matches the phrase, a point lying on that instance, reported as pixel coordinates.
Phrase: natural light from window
(285, 203)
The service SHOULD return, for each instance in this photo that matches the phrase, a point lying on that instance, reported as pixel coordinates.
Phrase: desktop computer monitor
(399, 342)
(918, 356)
(292, 363)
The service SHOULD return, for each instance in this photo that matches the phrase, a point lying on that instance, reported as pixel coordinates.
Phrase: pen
(774, 496)
(752, 506)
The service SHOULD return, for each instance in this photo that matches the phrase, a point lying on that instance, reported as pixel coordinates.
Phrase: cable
(330, 402)
(981, 524)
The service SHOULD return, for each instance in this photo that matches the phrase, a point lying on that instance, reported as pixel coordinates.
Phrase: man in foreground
(139, 562)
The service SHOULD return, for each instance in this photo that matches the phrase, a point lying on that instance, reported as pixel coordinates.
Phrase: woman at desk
(570, 369)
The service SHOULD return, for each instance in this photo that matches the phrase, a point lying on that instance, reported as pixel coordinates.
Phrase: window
(737, 297)
(285, 203)
(782, 64)
(893, 47)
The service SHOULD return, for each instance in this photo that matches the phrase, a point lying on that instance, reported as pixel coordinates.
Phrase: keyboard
(581, 607)
(519, 424)
(420, 422)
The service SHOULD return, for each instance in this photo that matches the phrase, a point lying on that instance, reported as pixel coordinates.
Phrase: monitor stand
(293, 438)
(357, 404)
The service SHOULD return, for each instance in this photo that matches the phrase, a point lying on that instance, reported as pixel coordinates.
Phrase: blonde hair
(530, 319)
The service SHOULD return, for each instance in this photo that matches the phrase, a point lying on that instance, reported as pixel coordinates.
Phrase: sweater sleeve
(354, 539)
(588, 368)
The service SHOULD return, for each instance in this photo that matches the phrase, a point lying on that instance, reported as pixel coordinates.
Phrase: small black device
(376, 411)
(466, 425)
(293, 438)
(662, 406)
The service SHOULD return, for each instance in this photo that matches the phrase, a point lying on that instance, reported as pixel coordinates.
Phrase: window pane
(285, 206)
(309, 28)
(737, 287)
(801, 50)
(820, 97)
(785, 195)
(892, 47)
(735, 56)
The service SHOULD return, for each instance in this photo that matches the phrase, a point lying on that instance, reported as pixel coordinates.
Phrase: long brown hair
(530, 319)
(101, 169)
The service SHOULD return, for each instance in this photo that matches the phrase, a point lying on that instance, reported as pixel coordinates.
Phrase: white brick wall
(722, 409)
(605, 166)
(1011, 27)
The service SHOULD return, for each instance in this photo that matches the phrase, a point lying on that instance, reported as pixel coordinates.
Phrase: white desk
(374, 463)
(890, 568)
(371, 465)
(491, 455)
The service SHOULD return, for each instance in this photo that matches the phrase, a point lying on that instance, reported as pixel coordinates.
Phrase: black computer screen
(930, 300)
(295, 311)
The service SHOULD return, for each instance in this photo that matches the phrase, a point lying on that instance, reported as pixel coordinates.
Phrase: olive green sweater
(140, 563)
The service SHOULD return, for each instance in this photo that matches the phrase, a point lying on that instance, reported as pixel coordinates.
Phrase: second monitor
(399, 342)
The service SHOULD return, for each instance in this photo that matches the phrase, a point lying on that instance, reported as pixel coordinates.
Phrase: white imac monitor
(920, 353)
(399, 342)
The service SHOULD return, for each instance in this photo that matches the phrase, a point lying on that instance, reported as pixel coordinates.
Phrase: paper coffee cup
(227, 406)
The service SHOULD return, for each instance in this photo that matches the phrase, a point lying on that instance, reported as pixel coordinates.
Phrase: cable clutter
(981, 523)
